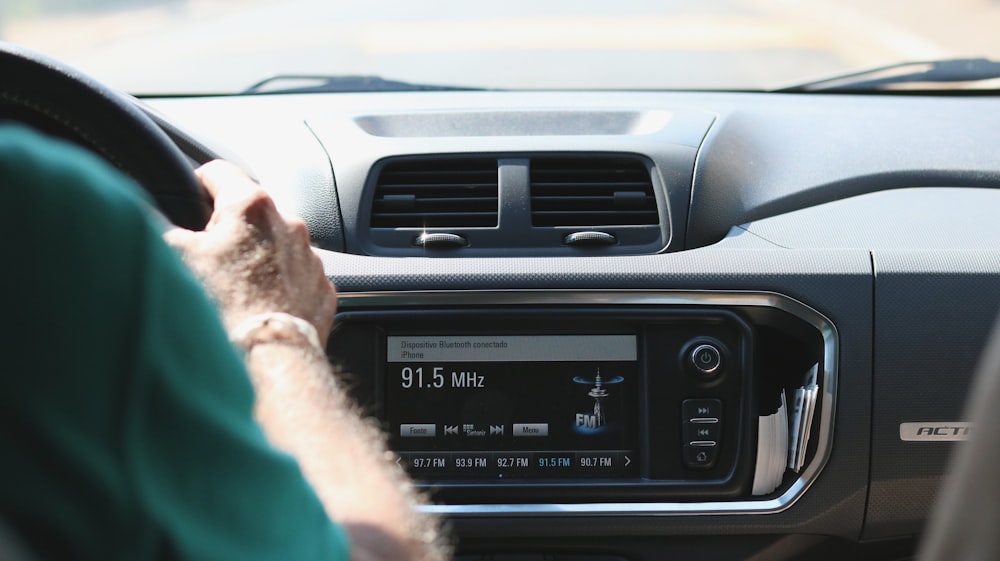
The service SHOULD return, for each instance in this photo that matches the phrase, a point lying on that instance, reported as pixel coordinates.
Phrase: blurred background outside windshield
(224, 46)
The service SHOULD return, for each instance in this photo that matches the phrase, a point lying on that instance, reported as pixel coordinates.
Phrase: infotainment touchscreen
(513, 406)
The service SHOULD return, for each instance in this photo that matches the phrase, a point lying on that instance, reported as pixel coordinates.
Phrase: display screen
(513, 406)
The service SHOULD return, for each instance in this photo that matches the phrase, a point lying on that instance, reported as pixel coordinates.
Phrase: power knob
(705, 359)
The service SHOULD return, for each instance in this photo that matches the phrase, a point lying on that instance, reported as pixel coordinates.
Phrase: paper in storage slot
(803, 407)
(772, 450)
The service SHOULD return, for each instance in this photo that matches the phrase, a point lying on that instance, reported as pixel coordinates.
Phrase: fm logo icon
(594, 421)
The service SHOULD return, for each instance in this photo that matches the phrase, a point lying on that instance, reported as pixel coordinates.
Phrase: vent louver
(438, 193)
(591, 191)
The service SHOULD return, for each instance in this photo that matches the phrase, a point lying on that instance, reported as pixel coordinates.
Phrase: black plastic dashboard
(854, 232)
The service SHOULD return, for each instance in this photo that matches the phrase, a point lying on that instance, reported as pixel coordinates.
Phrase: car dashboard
(646, 325)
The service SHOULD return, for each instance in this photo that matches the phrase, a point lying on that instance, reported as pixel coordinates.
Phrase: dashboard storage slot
(783, 436)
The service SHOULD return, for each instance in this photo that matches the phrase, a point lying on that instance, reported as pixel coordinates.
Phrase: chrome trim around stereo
(472, 298)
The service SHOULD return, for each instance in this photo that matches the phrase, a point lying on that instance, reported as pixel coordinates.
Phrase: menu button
(531, 429)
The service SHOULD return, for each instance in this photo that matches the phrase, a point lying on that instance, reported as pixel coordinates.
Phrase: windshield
(225, 46)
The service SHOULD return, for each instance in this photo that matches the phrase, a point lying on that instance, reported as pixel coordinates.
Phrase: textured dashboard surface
(937, 218)
(927, 346)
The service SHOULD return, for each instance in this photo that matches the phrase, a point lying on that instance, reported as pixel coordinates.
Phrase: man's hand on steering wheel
(252, 259)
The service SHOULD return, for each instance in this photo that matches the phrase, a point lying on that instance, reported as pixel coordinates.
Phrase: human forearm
(305, 412)
(277, 304)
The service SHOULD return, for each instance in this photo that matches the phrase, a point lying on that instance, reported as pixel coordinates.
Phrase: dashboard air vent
(591, 191)
(436, 193)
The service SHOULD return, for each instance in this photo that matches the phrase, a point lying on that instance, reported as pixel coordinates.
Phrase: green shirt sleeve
(125, 414)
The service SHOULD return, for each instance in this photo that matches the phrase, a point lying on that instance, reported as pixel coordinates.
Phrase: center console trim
(468, 298)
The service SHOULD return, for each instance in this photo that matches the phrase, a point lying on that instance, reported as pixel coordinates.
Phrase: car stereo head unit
(497, 404)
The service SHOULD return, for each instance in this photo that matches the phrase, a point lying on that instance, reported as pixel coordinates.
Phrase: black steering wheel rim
(59, 100)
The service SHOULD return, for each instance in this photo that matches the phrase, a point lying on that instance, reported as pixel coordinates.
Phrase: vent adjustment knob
(440, 240)
(590, 238)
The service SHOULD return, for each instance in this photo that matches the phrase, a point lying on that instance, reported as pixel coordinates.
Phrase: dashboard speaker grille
(438, 193)
(591, 191)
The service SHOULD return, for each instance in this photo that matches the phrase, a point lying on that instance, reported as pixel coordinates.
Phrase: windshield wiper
(898, 76)
(305, 83)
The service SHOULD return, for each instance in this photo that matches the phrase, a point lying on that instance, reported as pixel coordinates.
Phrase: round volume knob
(706, 359)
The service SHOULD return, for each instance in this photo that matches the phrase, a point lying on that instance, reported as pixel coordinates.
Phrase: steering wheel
(61, 101)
